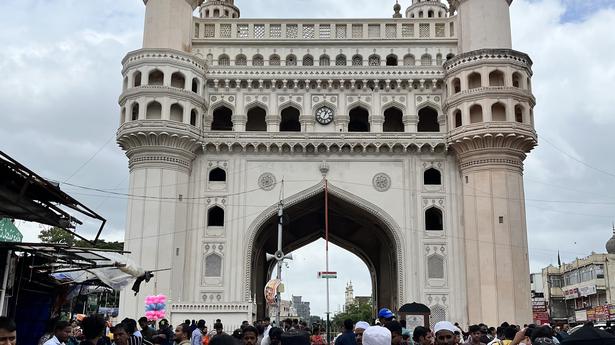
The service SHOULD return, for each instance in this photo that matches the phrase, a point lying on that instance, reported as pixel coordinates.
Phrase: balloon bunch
(154, 307)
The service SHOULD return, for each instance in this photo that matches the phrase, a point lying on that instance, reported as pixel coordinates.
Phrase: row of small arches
(359, 120)
(155, 77)
(153, 111)
(325, 60)
(498, 114)
(496, 78)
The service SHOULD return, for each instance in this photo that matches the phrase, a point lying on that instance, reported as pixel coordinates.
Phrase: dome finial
(397, 9)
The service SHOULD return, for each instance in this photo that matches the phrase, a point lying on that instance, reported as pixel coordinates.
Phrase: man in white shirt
(61, 332)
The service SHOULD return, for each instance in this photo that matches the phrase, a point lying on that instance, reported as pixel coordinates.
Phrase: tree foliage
(356, 312)
(57, 235)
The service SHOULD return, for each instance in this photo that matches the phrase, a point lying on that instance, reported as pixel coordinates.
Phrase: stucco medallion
(382, 182)
(267, 181)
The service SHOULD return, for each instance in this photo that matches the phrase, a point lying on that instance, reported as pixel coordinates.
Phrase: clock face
(324, 115)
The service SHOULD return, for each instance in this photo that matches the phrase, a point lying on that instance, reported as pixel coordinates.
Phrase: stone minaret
(220, 9)
(491, 129)
(349, 295)
(161, 115)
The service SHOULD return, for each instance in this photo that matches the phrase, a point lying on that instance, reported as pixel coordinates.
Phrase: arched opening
(290, 120)
(421, 15)
(241, 60)
(365, 231)
(430, 14)
(274, 60)
(222, 119)
(123, 116)
(374, 60)
(291, 60)
(432, 177)
(194, 115)
(450, 55)
(516, 79)
(519, 113)
(195, 85)
(476, 113)
(178, 80)
(428, 120)
(177, 113)
(156, 77)
(496, 78)
(426, 60)
(340, 60)
(154, 111)
(474, 80)
(224, 60)
(498, 112)
(136, 79)
(215, 216)
(458, 118)
(216, 13)
(217, 175)
(434, 219)
(357, 60)
(439, 59)
(308, 60)
(256, 120)
(393, 120)
(359, 120)
(134, 113)
(392, 60)
(258, 60)
(456, 85)
(409, 60)
(324, 60)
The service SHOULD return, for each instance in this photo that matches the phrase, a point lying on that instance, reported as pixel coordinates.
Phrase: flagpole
(327, 253)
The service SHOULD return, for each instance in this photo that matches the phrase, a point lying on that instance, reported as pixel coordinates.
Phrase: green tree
(355, 312)
(57, 235)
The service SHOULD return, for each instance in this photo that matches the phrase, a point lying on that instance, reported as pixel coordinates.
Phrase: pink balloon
(163, 298)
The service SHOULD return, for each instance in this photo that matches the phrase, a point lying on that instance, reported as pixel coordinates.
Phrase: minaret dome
(610, 244)
(220, 9)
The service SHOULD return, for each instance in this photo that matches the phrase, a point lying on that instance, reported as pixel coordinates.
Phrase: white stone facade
(428, 136)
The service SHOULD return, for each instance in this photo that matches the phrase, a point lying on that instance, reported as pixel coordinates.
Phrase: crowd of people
(386, 330)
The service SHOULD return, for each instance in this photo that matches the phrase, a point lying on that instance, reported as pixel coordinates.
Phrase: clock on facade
(324, 115)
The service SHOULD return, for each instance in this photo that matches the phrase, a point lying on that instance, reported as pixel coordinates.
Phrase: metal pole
(327, 256)
(279, 275)
(5, 281)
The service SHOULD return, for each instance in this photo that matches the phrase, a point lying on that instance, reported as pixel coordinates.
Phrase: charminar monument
(419, 123)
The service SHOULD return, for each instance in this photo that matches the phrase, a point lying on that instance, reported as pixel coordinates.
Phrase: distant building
(302, 308)
(287, 310)
(351, 299)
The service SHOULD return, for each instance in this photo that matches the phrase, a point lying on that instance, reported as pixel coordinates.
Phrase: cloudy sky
(60, 69)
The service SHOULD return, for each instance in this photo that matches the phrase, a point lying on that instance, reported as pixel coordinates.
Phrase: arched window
(498, 112)
(134, 113)
(222, 119)
(439, 59)
(241, 60)
(432, 177)
(290, 120)
(274, 60)
(374, 60)
(195, 85)
(357, 60)
(426, 60)
(308, 60)
(136, 79)
(435, 267)
(392, 60)
(359, 120)
(496, 78)
(256, 120)
(456, 85)
(213, 266)
(156, 77)
(519, 113)
(433, 219)
(474, 80)
(516, 77)
(178, 80)
(450, 55)
(177, 112)
(458, 118)
(476, 113)
(224, 60)
(421, 15)
(430, 14)
(217, 175)
(291, 60)
(258, 60)
(409, 60)
(340, 60)
(324, 60)
(216, 13)
(393, 120)
(154, 111)
(194, 115)
(215, 216)
(428, 120)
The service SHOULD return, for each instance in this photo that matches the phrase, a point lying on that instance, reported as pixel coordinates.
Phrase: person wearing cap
(475, 336)
(359, 329)
(377, 335)
(422, 336)
(348, 336)
(385, 315)
(445, 333)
